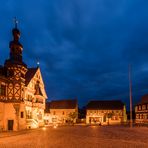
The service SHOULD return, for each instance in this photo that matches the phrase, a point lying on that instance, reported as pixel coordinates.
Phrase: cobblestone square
(77, 137)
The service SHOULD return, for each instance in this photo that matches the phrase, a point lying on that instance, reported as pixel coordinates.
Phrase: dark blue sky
(84, 46)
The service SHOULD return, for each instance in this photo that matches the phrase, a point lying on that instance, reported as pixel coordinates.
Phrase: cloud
(84, 46)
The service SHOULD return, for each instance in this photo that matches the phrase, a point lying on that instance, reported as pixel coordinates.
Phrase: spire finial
(38, 63)
(15, 22)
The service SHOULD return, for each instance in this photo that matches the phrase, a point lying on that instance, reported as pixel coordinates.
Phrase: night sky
(84, 46)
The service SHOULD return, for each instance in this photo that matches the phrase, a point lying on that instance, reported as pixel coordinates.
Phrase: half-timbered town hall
(22, 92)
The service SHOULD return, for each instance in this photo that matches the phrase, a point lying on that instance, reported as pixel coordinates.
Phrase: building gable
(35, 82)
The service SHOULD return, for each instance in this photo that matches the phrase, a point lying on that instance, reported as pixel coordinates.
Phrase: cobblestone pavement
(77, 137)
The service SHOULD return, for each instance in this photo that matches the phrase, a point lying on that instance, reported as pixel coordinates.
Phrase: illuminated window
(137, 116)
(54, 119)
(143, 107)
(139, 107)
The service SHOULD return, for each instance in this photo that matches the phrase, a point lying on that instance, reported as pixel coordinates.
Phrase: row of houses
(97, 112)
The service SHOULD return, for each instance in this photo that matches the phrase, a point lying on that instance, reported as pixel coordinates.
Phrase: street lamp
(130, 94)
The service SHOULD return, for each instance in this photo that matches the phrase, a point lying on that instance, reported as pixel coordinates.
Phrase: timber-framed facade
(22, 91)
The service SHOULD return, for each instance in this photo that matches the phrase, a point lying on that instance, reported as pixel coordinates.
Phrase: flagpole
(130, 95)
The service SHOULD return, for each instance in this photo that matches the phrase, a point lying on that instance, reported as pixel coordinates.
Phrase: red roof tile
(63, 104)
(105, 104)
(144, 99)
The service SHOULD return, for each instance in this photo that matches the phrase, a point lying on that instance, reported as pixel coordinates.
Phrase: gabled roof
(144, 99)
(29, 75)
(63, 104)
(105, 105)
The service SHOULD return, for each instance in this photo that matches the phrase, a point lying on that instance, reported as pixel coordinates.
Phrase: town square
(77, 136)
(73, 73)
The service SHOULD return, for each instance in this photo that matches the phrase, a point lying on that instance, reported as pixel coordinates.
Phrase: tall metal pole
(130, 95)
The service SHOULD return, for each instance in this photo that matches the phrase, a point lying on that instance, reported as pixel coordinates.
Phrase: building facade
(105, 112)
(141, 110)
(61, 111)
(22, 92)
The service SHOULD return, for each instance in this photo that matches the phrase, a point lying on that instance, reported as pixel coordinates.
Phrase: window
(54, 113)
(145, 116)
(29, 98)
(3, 90)
(139, 107)
(137, 116)
(54, 119)
(22, 114)
(143, 107)
(63, 113)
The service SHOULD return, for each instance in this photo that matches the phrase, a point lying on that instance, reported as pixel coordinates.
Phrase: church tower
(16, 68)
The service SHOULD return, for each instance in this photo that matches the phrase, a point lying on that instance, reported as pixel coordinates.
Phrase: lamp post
(130, 95)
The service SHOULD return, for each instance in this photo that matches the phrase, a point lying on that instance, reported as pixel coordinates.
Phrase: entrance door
(10, 124)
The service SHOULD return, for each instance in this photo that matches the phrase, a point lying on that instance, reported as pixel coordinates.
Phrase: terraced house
(141, 110)
(61, 111)
(105, 112)
(22, 92)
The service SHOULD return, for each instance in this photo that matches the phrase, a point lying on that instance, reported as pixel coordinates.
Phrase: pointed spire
(15, 46)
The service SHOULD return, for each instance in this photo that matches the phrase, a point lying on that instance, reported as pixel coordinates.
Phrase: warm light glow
(44, 128)
(55, 125)
(93, 126)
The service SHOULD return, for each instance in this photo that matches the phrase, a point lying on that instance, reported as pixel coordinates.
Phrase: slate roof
(63, 104)
(144, 99)
(29, 75)
(105, 105)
